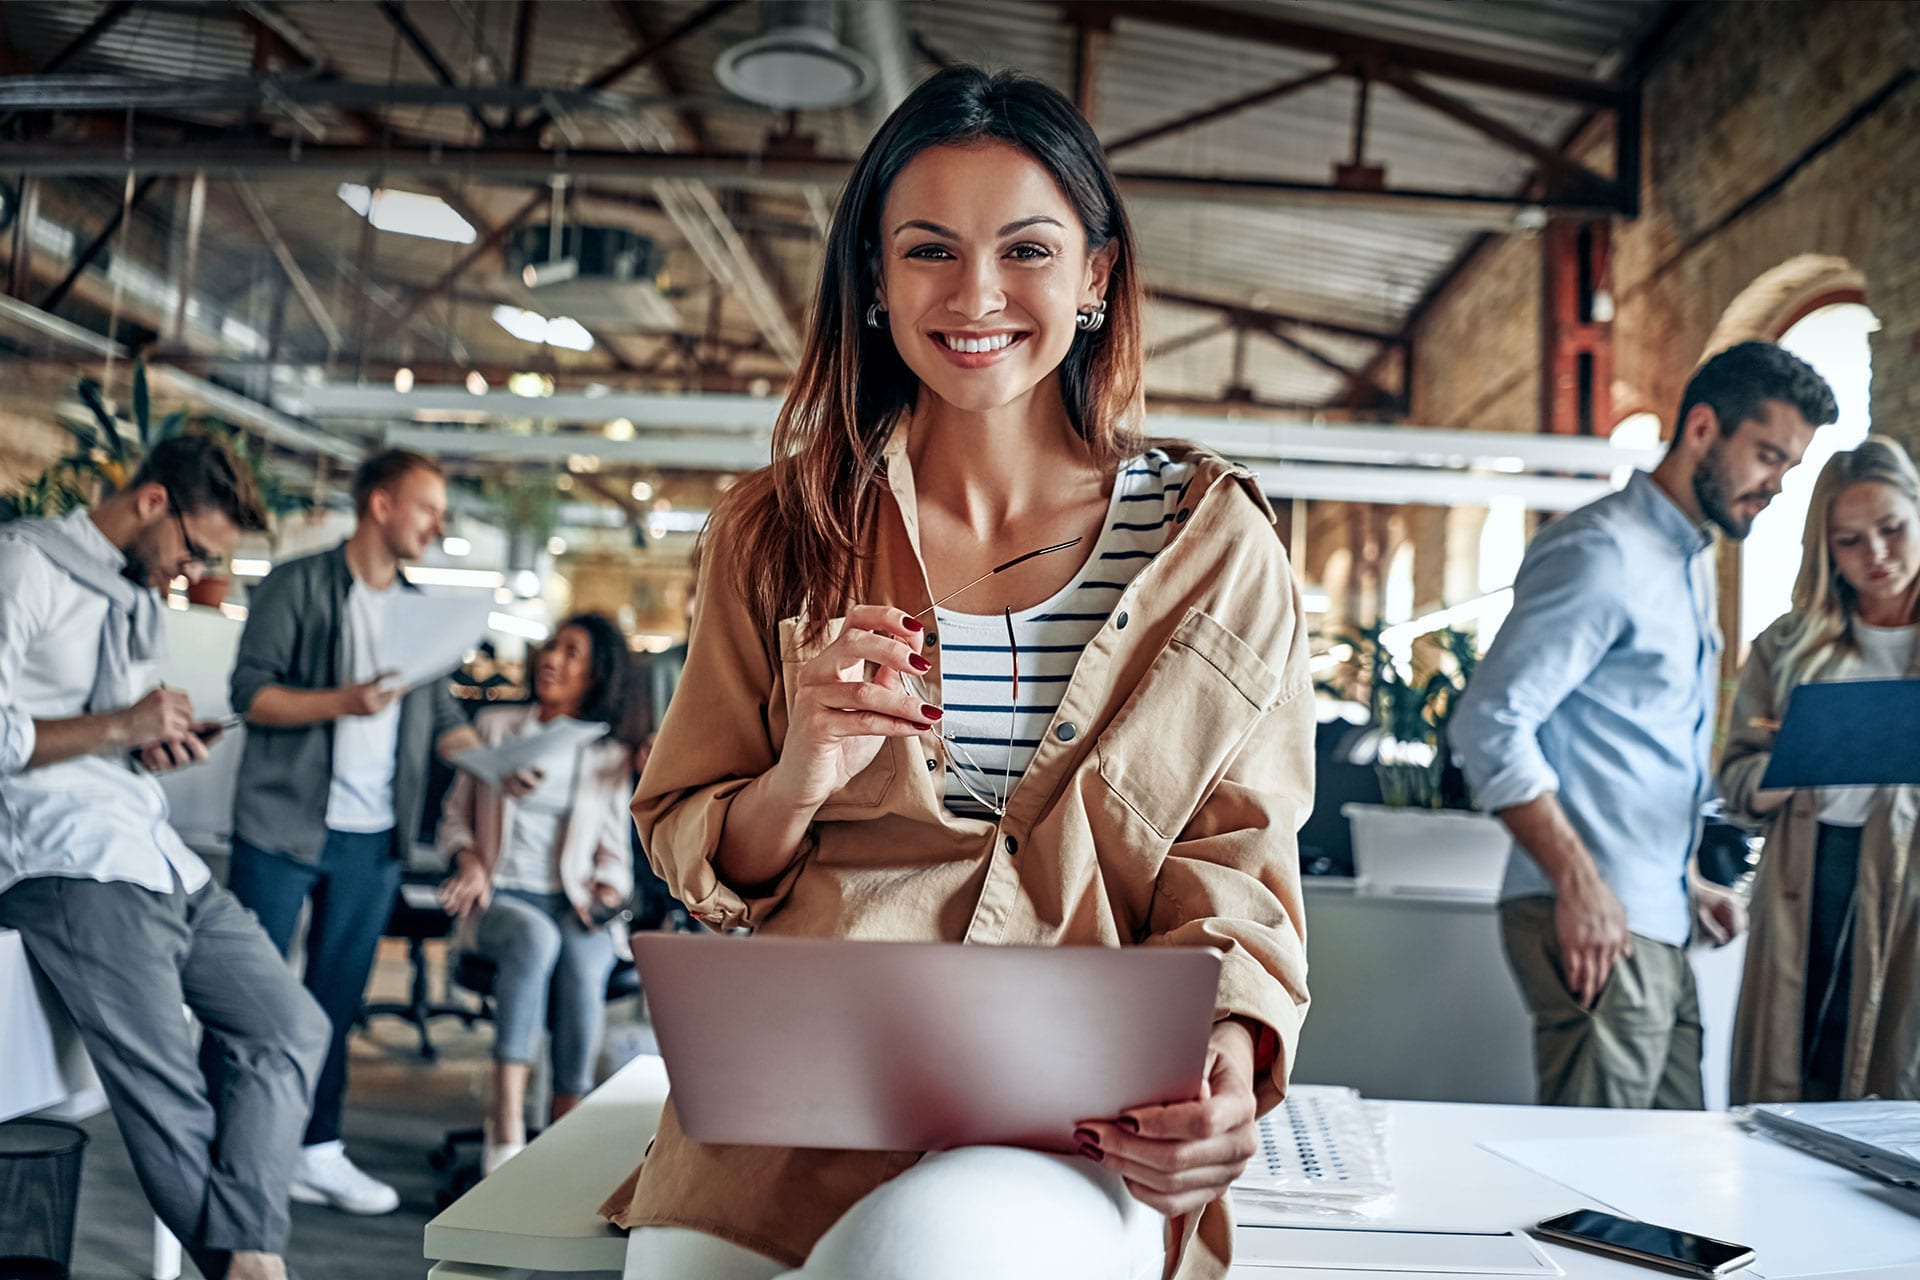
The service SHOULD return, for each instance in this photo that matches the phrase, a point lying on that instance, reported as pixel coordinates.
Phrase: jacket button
(932, 765)
(1180, 517)
(932, 638)
(1011, 845)
(1120, 622)
(1065, 733)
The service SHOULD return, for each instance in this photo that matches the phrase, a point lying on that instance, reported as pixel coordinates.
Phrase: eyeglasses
(196, 554)
(960, 763)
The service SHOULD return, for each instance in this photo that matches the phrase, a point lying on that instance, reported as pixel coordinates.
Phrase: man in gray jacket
(334, 776)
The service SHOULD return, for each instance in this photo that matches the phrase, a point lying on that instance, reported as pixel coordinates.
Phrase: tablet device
(906, 1046)
(1848, 733)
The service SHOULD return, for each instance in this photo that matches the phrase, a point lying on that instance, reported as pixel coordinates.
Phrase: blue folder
(1848, 733)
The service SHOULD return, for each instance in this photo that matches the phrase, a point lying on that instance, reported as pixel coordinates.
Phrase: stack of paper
(533, 750)
(1323, 1153)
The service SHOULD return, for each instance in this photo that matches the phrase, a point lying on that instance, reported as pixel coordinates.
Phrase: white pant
(977, 1212)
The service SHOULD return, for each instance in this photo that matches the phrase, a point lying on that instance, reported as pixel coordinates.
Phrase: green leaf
(170, 426)
(89, 392)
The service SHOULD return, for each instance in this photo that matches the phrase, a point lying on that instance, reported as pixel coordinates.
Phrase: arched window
(1833, 339)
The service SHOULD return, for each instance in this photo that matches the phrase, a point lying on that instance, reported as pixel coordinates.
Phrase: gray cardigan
(293, 639)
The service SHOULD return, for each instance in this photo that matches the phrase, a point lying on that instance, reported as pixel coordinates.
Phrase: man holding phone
(334, 777)
(121, 917)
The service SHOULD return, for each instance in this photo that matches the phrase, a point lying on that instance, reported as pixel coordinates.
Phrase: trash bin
(39, 1194)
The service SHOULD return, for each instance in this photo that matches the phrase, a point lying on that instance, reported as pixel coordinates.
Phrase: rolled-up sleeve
(25, 605)
(1231, 881)
(1567, 612)
(716, 739)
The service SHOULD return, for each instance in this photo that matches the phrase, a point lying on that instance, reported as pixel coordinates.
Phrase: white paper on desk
(1427, 1250)
(428, 635)
(529, 750)
(1800, 1215)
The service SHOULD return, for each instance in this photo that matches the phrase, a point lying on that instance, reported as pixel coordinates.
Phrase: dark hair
(795, 529)
(1736, 382)
(608, 667)
(200, 474)
(384, 470)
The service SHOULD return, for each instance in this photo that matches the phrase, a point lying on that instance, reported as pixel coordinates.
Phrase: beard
(1710, 490)
(142, 556)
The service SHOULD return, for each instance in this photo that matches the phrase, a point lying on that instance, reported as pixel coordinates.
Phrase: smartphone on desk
(1643, 1242)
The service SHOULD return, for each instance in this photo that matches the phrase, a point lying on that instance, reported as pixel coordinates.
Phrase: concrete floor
(398, 1109)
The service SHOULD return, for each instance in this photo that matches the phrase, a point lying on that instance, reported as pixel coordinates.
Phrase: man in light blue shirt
(1589, 729)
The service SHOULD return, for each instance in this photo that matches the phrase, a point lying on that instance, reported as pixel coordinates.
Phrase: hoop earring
(875, 316)
(1092, 318)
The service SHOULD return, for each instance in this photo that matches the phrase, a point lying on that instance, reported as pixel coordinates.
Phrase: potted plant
(1424, 836)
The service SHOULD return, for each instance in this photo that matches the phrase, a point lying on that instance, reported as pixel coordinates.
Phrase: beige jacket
(1883, 1021)
(1165, 817)
(594, 847)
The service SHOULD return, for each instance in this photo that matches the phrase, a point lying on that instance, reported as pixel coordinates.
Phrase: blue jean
(352, 888)
(549, 968)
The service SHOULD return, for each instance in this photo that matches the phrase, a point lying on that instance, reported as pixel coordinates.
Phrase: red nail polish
(1086, 1137)
(1129, 1124)
(918, 663)
(923, 727)
(910, 622)
(1093, 1153)
(930, 711)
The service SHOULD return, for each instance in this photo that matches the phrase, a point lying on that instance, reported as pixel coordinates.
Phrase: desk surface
(537, 1213)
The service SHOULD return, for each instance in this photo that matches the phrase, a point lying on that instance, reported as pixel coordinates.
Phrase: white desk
(43, 1067)
(535, 1217)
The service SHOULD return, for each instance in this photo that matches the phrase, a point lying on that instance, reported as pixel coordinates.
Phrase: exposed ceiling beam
(1192, 338)
(485, 245)
(1245, 315)
(396, 16)
(642, 54)
(1270, 28)
(748, 169)
(309, 296)
(84, 259)
(109, 16)
(1573, 177)
(1259, 97)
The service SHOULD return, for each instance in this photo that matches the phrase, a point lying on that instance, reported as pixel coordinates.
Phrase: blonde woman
(1830, 1006)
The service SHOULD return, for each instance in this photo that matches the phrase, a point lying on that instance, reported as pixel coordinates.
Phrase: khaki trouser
(1639, 1046)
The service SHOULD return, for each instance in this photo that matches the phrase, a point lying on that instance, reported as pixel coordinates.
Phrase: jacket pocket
(867, 791)
(1179, 729)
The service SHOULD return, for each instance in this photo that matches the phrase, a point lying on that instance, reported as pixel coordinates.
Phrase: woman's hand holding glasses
(849, 700)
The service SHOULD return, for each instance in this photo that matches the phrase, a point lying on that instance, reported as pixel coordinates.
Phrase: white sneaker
(324, 1175)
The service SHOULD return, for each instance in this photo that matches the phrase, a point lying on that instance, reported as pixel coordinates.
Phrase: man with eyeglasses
(114, 909)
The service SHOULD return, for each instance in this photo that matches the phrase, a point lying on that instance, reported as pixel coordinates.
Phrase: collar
(79, 526)
(1664, 514)
(342, 572)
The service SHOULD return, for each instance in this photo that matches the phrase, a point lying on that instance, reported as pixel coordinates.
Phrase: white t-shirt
(530, 861)
(1886, 653)
(364, 747)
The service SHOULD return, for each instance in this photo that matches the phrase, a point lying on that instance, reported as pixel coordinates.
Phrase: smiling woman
(1102, 738)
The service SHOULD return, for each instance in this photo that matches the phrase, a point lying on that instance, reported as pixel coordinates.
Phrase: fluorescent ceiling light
(408, 213)
(485, 579)
(530, 326)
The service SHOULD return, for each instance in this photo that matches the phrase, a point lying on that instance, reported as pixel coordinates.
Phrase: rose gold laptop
(906, 1046)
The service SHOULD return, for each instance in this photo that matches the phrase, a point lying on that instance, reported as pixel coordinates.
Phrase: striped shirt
(995, 729)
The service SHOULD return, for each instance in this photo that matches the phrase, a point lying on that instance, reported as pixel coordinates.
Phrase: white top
(93, 817)
(977, 668)
(531, 861)
(1886, 653)
(360, 797)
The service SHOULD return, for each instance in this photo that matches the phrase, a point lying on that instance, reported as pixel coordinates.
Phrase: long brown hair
(795, 531)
